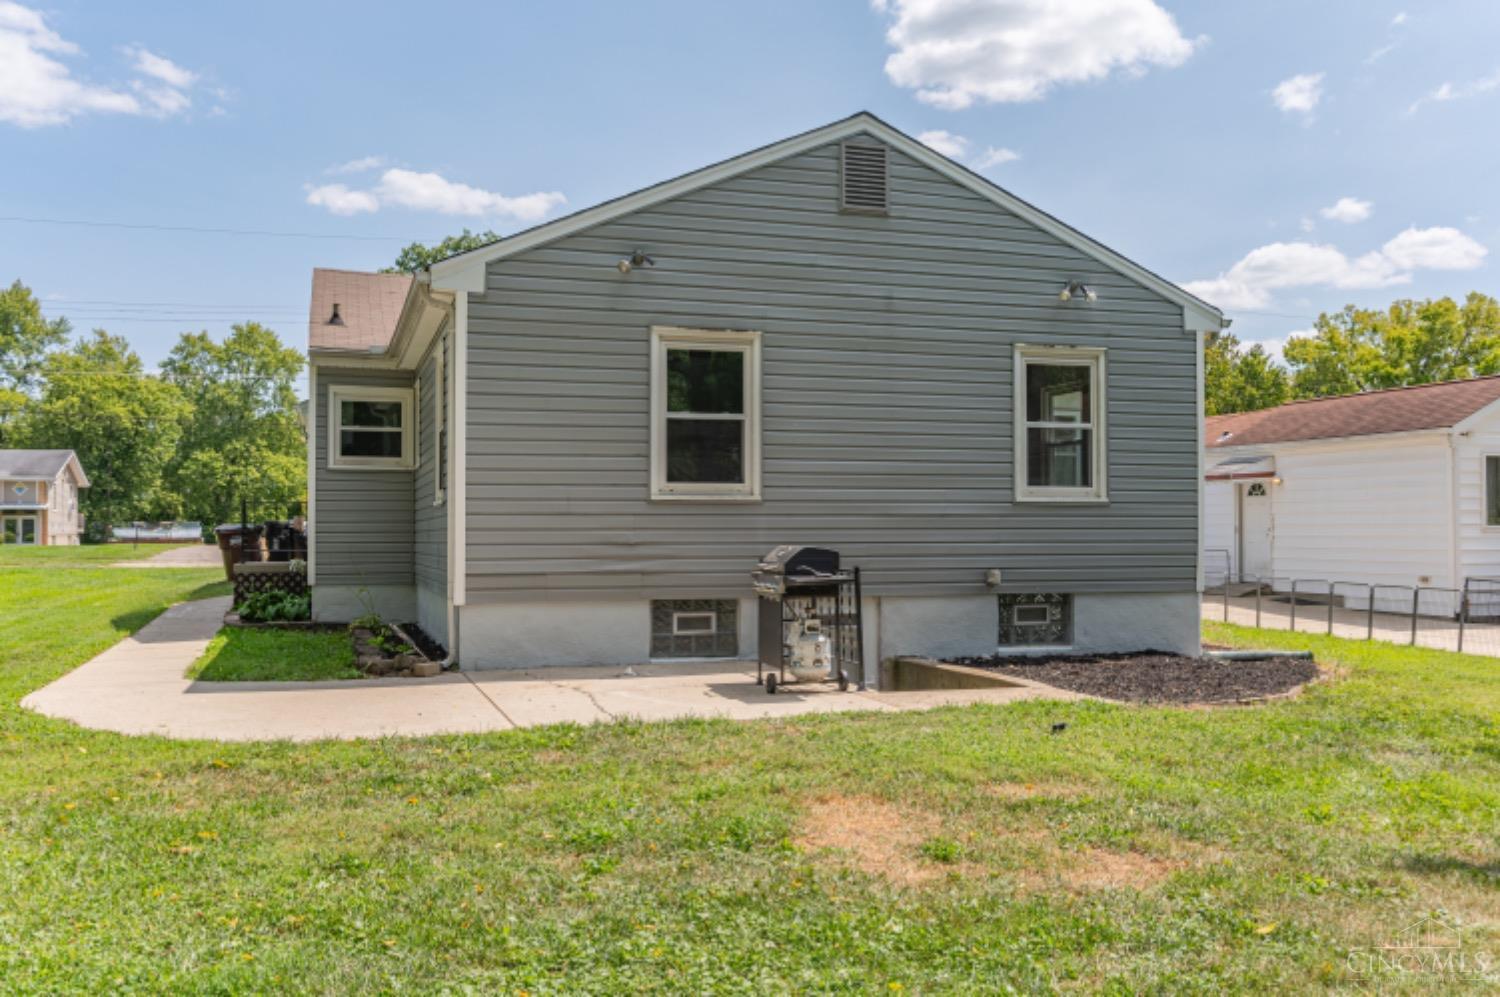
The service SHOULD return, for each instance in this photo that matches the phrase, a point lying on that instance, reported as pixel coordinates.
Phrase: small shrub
(275, 607)
(944, 850)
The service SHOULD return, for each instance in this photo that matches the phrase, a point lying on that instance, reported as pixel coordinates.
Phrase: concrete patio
(138, 687)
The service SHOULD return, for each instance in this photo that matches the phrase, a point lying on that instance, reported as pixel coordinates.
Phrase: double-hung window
(440, 424)
(705, 414)
(1492, 490)
(371, 428)
(1060, 445)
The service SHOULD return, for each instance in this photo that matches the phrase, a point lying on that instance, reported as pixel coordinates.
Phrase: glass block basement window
(695, 628)
(1036, 619)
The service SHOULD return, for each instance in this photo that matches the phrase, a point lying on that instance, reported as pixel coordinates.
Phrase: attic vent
(335, 318)
(864, 176)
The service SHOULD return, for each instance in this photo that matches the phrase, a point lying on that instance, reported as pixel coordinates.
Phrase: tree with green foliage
(241, 437)
(26, 337)
(1239, 378)
(1411, 342)
(419, 257)
(124, 423)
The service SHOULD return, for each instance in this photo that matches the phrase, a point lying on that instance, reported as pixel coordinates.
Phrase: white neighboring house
(39, 497)
(1394, 487)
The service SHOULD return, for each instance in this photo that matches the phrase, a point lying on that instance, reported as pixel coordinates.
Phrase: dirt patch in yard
(1151, 677)
(876, 836)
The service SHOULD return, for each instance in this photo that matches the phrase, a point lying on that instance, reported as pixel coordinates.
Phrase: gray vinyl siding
(362, 520)
(431, 564)
(886, 399)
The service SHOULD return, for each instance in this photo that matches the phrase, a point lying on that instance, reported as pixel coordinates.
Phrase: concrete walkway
(137, 687)
(196, 556)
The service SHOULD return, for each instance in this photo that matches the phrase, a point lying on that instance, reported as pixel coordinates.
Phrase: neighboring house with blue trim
(549, 448)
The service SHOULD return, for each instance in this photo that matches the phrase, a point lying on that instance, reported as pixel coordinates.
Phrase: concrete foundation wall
(618, 632)
(1161, 621)
(342, 603)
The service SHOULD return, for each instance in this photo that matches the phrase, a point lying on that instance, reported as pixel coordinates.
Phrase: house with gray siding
(572, 446)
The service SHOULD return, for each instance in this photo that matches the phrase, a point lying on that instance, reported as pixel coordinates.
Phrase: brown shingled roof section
(369, 303)
(1371, 413)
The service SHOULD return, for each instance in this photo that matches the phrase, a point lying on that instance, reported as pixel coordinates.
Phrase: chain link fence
(1463, 619)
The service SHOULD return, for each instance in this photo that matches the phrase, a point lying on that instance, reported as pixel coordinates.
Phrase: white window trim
(745, 342)
(439, 421)
(338, 393)
(1015, 615)
(1484, 491)
(678, 614)
(1081, 356)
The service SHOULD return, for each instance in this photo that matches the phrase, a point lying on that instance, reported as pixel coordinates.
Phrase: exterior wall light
(1077, 287)
(635, 259)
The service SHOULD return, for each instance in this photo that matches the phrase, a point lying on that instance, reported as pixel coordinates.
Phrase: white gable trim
(465, 272)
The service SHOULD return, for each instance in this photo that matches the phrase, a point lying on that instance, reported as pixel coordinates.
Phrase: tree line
(1358, 349)
(217, 423)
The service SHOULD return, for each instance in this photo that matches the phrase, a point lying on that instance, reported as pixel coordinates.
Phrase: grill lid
(793, 559)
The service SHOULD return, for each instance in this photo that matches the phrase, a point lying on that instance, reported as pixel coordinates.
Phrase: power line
(202, 229)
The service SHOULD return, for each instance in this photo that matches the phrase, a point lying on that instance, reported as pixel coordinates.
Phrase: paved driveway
(196, 556)
(137, 687)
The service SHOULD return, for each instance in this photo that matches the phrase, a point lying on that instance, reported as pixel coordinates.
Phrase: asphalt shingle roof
(1370, 413)
(33, 463)
(369, 307)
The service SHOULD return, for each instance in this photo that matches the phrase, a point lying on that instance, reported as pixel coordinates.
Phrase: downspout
(424, 284)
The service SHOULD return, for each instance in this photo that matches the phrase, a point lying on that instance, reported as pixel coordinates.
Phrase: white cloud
(1435, 249)
(1391, 46)
(1250, 282)
(161, 68)
(37, 88)
(340, 200)
(1347, 210)
(946, 143)
(361, 165)
(432, 192)
(1462, 91)
(1398, 20)
(1299, 94)
(957, 52)
(995, 156)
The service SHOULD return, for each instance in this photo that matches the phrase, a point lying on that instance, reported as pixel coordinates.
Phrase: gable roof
(1370, 413)
(460, 271)
(369, 307)
(40, 464)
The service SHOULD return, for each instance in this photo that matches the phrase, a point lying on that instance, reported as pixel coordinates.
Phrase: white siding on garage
(1478, 543)
(1219, 529)
(1375, 510)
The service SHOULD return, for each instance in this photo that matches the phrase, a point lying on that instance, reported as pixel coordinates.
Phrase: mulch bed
(1152, 677)
(429, 647)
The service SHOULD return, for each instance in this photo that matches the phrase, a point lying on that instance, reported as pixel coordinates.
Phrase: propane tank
(809, 652)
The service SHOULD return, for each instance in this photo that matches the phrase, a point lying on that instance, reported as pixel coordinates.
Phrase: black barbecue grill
(802, 588)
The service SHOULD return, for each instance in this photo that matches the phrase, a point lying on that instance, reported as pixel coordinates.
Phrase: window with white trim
(1492, 490)
(1060, 444)
(371, 428)
(705, 414)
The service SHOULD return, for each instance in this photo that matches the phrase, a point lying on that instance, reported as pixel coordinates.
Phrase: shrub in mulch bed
(379, 650)
(1153, 677)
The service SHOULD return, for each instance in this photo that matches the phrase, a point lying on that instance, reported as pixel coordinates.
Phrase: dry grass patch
(874, 835)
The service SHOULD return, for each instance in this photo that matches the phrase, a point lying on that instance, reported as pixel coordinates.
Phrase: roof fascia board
(466, 271)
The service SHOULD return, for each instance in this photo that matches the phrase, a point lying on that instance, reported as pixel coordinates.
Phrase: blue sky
(1280, 158)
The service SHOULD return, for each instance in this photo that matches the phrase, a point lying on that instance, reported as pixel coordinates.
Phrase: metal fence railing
(1463, 619)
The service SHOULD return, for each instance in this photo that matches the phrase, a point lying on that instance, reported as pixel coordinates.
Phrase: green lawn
(960, 850)
(84, 555)
(240, 655)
